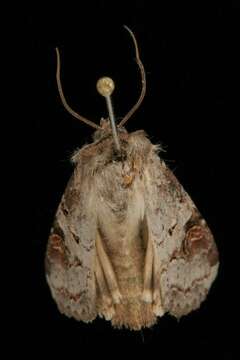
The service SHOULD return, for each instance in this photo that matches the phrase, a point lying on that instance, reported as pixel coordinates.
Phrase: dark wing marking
(71, 251)
(183, 244)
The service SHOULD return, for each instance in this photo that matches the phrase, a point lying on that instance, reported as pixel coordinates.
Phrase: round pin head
(105, 86)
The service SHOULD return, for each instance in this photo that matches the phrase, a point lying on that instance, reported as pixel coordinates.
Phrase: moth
(127, 244)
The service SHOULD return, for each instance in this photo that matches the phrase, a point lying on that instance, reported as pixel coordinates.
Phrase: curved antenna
(143, 92)
(64, 102)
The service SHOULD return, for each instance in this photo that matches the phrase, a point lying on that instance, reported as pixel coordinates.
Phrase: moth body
(128, 244)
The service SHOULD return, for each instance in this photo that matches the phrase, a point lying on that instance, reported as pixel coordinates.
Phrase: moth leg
(157, 299)
(107, 308)
(148, 274)
(151, 279)
(108, 271)
(102, 283)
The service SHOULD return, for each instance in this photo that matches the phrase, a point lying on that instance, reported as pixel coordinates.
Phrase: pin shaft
(113, 123)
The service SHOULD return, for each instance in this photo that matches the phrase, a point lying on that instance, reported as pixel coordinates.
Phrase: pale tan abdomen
(126, 249)
(132, 312)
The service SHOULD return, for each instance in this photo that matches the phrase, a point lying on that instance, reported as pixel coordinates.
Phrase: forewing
(184, 247)
(70, 252)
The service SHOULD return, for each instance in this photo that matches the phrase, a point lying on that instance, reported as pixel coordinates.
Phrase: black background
(190, 53)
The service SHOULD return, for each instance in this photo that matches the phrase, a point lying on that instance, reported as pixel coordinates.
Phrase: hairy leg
(106, 307)
(102, 283)
(108, 271)
(157, 300)
(151, 276)
(148, 274)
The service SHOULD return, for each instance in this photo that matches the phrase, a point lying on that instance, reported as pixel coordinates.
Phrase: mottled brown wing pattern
(128, 219)
(70, 252)
(184, 247)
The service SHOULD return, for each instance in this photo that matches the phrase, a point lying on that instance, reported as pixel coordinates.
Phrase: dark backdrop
(190, 53)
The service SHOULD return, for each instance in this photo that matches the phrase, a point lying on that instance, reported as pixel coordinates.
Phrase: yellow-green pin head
(105, 86)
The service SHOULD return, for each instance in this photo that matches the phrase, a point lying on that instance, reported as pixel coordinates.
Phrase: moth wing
(70, 255)
(185, 254)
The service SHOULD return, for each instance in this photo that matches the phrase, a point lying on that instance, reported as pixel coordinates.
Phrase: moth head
(106, 130)
(105, 87)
